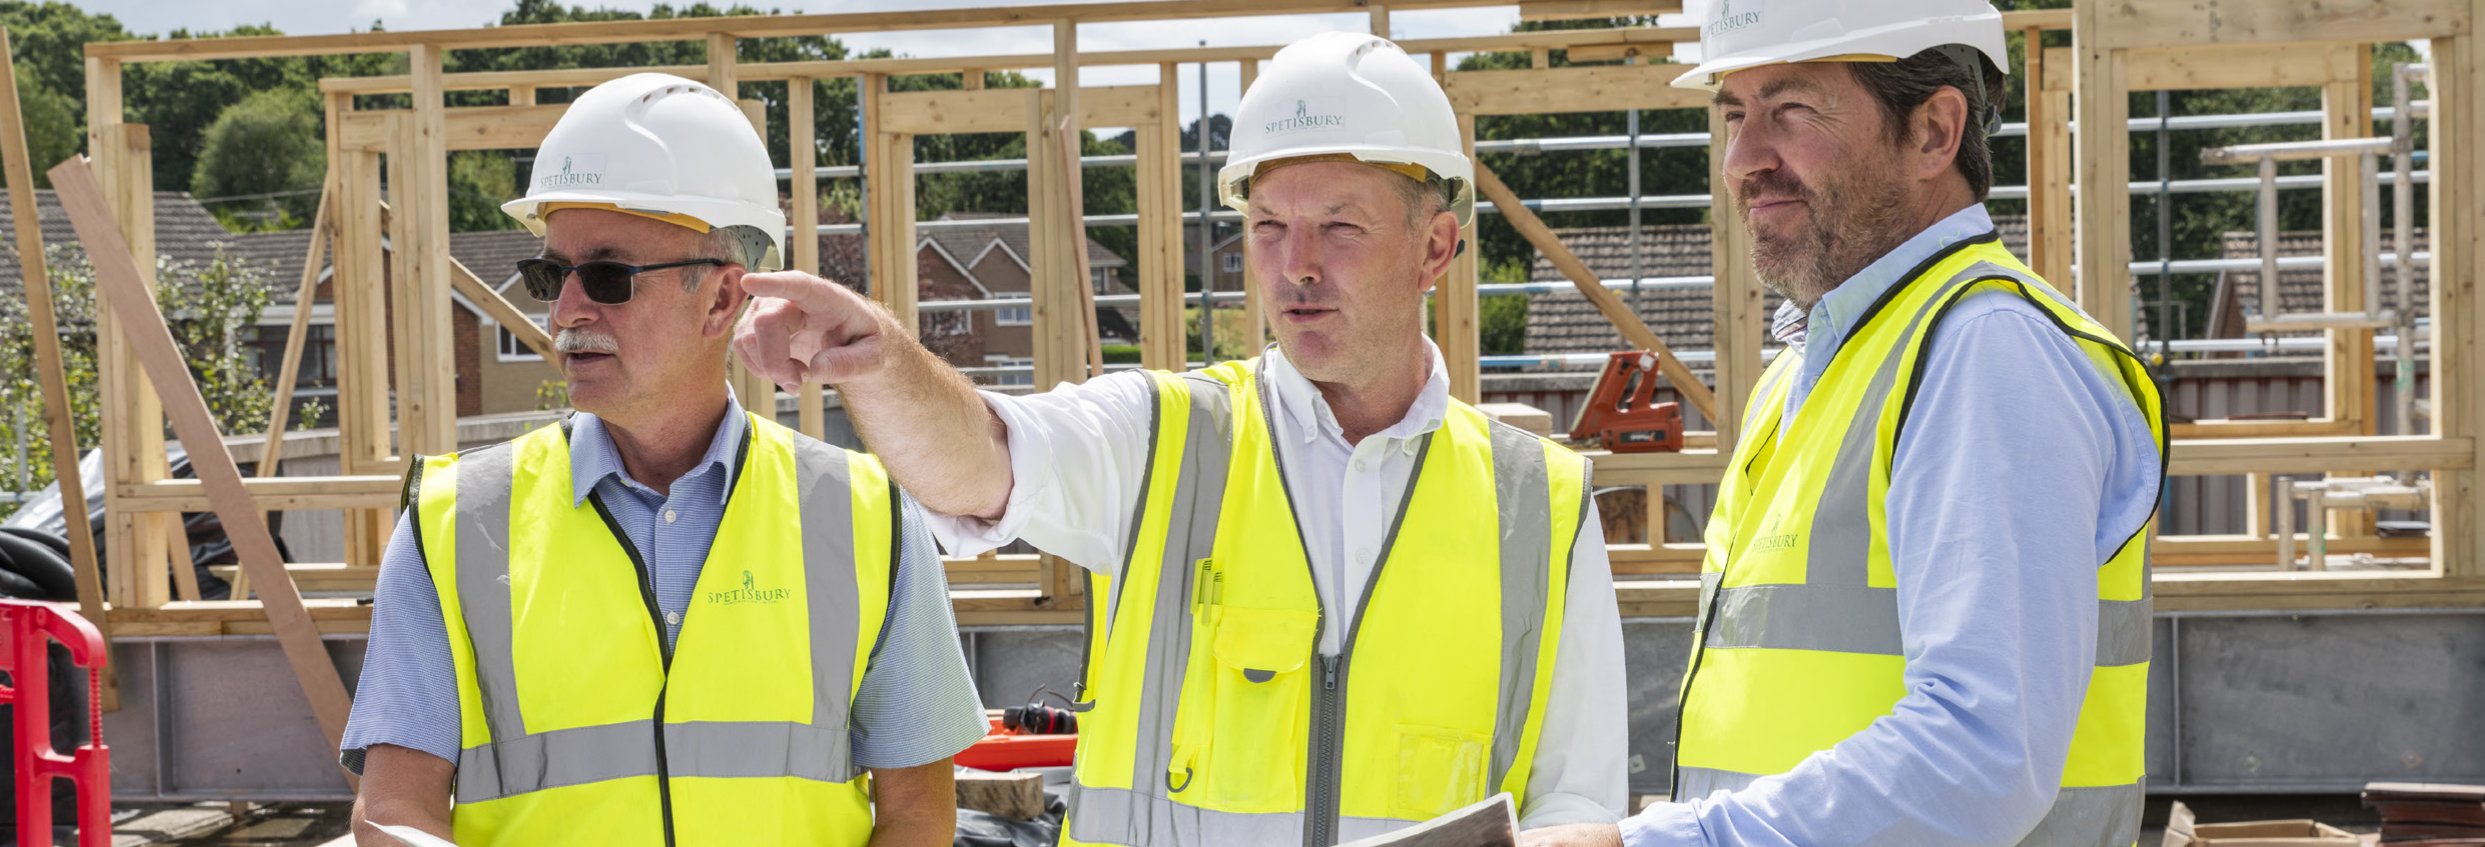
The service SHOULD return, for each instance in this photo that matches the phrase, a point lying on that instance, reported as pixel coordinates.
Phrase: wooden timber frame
(2113, 53)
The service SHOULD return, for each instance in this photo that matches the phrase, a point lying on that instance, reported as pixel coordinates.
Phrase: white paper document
(1490, 822)
(412, 837)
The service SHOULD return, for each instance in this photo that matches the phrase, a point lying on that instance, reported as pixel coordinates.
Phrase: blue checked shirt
(2021, 470)
(917, 704)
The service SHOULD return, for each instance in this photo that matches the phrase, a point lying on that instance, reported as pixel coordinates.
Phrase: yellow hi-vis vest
(1797, 646)
(579, 726)
(1215, 720)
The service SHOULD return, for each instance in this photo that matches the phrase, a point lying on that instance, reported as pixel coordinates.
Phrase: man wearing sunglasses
(661, 620)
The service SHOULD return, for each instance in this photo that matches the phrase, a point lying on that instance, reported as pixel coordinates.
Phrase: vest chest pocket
(1241, 734)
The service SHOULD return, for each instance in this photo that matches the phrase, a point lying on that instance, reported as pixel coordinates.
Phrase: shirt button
(669, 515)
(1362, 465)
(673, 618)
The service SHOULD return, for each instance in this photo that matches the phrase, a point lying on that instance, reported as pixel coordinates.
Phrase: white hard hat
(658, 146)
(1348, 95)
(1741, 34)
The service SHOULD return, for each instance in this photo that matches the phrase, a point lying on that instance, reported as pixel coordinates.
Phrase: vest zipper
(1328, 743)
(664, 647)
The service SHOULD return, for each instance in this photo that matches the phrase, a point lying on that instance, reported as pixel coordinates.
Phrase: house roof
(2300, 290)
(1563, 321)
(184, 231)
(968, 243)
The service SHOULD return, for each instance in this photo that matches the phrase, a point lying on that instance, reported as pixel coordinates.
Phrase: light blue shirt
(2022, 468)
(916, 705)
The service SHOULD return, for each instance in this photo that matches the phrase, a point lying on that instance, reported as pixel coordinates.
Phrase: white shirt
(1079, 454)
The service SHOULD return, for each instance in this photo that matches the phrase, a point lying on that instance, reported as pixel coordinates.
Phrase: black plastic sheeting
(985, 829)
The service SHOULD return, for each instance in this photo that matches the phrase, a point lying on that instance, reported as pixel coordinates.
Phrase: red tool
(1621, 412)
(1004, 749)
(28, 626)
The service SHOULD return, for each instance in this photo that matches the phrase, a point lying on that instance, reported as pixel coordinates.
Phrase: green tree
(210, 307)
(51, 121)
(263, 161)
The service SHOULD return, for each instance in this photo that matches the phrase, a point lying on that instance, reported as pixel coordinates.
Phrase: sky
(306, 17)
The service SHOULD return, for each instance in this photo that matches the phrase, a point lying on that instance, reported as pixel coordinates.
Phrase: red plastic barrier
(26, 626)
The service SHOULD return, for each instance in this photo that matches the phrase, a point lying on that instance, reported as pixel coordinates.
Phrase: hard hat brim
(715, 213)
(1897, 41)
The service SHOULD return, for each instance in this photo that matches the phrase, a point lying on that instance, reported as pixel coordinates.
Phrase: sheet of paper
(413, 837)
(1490, 822)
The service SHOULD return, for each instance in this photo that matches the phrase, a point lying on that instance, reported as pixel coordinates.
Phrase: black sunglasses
(609, 283)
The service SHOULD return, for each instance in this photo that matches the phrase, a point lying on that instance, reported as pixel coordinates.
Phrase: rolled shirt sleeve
(408, 692)
(917, 704)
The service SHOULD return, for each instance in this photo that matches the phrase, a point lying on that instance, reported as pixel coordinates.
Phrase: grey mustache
(581, 341)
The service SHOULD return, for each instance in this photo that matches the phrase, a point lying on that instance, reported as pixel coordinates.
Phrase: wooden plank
(314, 576)
(1636, 332)
(426, 392)
(2235, 456)
(802, 145)
(1571, 10)
(1005, 109)
(757, 26)
(720, 70)
(2231, 550)
(2104, 158)
(2051, 221)
(2347, 357)
(1018, 796)
(1736, 295)
(119, 284)
(278, 494)
(1600, 88)
(1457, 325)
(50, 372)
(503, 312)
(2261, 429)
(305, 293)
(1380, 20)
(465, 127)
(2207, 66)
(357, 287)
(2458, 310)
(133, 435)
(1163, 337)
(2228, 22)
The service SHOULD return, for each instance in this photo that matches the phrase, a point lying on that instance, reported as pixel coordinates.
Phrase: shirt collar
(1825, 327)
(592, 456)
(1296, 396)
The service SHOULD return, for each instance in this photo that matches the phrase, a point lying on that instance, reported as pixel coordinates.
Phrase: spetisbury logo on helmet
(1728, 20)
(572, 177)
(1303, 119)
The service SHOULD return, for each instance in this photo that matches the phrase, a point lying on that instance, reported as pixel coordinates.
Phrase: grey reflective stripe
(1121, 816)
(827, 505)
(1190, 535)
(2123, 633)
(2091, 817)
(562, 757)
(485, 479)
(1524, 500)
(1801, 617)
(1691, 783)
(2106, 816)
(757, 749)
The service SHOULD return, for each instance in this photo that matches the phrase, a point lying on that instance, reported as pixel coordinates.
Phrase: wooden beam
(2262, 429)
(758, 26)
(1634, 331)
(2228, 22)
(802, 146)
(2456, 225)
(2205, 66)
(122, 288)
(465, 127)
(2050, 221)
(2235, 456)
(1456, 324)
(305, 293)
(426, 392)
(1598, 88)
(1571, 10)
(1005, 109)
(133, 434)
(505, 313)
(889, 190)
(1735, 294)
(50, 372)
(277, 494)
(2104, 252)
(2347, 358)
(1163, 337)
